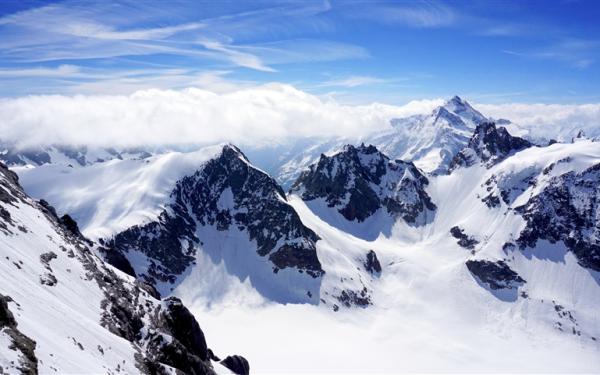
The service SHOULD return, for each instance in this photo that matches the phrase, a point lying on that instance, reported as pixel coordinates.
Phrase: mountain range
(445, 234)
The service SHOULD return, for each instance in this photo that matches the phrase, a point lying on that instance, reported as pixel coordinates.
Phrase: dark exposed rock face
(464, 240)
(10, 193)
(166, 332)
(360, 180)
(372, 264)
(7, 319)
(70, 225)
(118, 260)
(237, 364)
(185, 347)
(181, 324)
(488, 145)
(507, 187)
(225, 193)
(20, 342)
(567, 210)
(351, 298)
(497, 275)
(171, 337)
(9, 188)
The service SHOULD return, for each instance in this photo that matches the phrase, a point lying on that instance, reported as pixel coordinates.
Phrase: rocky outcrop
(350, 298)
(567, 210)
(25, 346)
(359, 181)
(496, 275)
(489, 145)
(237, 364)
(372, 264)
(464, 240)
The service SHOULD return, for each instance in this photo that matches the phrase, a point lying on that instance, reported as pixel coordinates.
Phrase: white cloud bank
(253, 116)
(272, 113)
(559, 121)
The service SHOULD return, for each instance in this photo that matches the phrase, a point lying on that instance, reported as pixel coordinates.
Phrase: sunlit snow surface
(428, 314)
(109, 197)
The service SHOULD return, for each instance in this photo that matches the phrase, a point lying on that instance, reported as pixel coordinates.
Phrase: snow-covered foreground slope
(62, 310)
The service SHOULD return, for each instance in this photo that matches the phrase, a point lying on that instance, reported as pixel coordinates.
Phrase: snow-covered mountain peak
(231, 151)
(464, 110)
(359, 181)
(431, 140)
(233, 213)
(361, 157)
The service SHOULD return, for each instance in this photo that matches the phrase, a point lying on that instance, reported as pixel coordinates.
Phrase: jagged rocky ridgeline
(63, 310)
(489, 145)
(567, 210)
(226, 194)
(359, 181)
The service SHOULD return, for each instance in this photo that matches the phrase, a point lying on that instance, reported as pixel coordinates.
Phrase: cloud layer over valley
(255, 116)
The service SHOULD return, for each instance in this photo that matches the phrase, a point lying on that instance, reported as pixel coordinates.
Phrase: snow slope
(105, 198)
(429, 313)
(64, 311)
(426, 311)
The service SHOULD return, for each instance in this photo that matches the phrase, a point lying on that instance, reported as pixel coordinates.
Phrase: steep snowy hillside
(466, 304)
(109, 197)
(236, 214)
(62, 310)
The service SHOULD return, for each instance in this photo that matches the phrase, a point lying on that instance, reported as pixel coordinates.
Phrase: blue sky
(353, 51)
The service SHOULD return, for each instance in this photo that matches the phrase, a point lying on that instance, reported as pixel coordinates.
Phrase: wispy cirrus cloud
(59, 71)
(236, 56)
(72, 79)
(353, 81)
(418, 14)
(73, 30)
(578, 53)
(96, 30)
